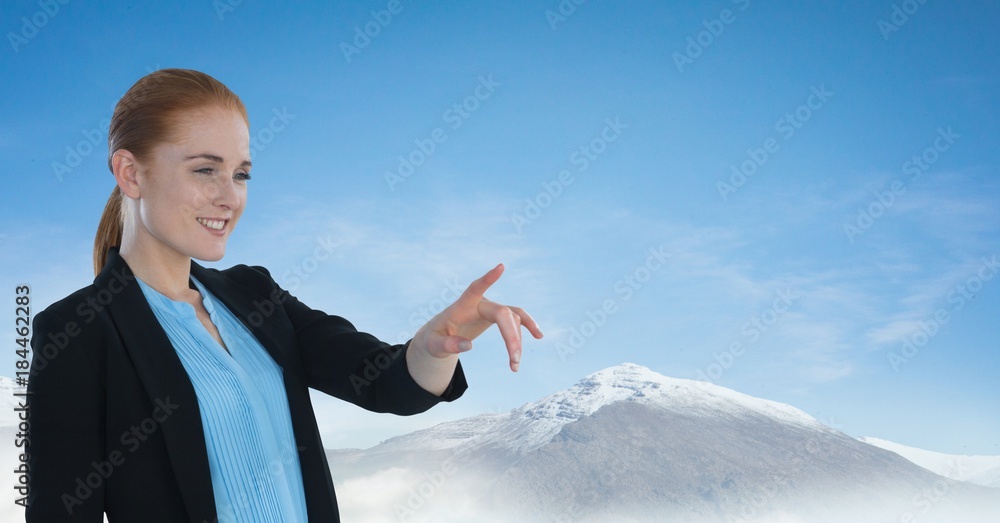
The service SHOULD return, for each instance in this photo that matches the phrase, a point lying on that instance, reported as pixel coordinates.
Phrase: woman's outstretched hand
(434, 350)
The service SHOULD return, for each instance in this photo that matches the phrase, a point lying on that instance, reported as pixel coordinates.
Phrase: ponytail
(109, 231)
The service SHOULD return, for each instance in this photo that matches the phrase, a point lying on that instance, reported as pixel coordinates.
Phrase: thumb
(439, 345)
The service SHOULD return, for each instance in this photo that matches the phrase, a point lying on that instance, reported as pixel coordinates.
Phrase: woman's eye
(242, 176)
(206, 170)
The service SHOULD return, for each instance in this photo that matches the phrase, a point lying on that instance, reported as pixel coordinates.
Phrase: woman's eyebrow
(211, 157)
(214, 158)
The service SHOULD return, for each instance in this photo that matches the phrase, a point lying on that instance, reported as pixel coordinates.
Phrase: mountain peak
(627, 375)
(624, 382)
(632, 382)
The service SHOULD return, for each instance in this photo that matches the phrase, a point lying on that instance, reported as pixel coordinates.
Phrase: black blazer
(114, 420)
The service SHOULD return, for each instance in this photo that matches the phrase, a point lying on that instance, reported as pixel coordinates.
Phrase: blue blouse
(244, 412)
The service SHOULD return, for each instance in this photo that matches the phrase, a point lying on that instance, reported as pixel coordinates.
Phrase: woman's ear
(125, 167)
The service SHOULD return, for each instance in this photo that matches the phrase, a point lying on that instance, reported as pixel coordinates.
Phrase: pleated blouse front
(244, 412)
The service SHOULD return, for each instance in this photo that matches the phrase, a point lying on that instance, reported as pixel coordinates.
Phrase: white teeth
(212, 224)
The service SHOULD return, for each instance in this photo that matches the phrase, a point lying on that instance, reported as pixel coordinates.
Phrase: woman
(167, 391)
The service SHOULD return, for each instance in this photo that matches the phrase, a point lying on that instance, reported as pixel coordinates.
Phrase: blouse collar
(177, 308)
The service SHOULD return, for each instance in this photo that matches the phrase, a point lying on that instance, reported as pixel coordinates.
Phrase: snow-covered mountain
(535, 424)
(981, 470)
(628, 444)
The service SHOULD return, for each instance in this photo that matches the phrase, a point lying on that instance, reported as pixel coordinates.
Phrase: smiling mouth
(215, 225)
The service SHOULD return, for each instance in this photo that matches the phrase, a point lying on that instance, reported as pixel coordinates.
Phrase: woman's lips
(216, 226)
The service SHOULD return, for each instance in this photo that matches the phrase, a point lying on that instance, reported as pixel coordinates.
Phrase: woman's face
(193, 188)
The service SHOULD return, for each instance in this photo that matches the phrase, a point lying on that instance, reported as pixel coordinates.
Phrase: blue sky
(796, 202)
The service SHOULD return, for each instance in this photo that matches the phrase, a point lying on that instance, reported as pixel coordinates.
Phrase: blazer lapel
(163, 376)
(246, 305)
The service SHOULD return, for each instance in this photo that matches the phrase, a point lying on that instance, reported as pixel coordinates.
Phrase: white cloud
(367, 499)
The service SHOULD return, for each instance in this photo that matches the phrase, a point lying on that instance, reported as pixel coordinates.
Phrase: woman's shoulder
(254, 276)
(247, 271)
(78, 303)
(71, 331)
(93, 298)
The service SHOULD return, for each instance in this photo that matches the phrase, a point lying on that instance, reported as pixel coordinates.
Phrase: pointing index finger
(479, 287)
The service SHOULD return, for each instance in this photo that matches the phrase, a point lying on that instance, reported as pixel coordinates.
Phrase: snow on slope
(981, 470)
(535, 424)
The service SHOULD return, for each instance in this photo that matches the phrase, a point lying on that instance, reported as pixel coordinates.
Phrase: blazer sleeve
(355, 366)
(66, 424)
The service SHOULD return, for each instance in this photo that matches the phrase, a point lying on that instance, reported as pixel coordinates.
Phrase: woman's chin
(209, 255)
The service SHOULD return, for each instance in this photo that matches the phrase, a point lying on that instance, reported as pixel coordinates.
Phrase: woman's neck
(163, 269)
